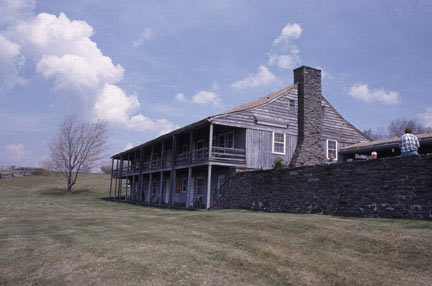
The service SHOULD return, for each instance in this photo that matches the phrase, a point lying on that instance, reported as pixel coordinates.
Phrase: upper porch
(187, 148)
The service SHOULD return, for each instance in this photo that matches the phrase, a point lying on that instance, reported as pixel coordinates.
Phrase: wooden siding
(277, 110)
(336, 128)
(259, 149)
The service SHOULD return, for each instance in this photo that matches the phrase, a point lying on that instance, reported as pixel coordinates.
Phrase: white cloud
(142, 123)
(180, 97)
(14, 10)
(11, 61)
(114, 105)
(205, 97)
(128, 146)
(426, 117)
(362, 92)
(288, 61)
(289, 32)
(263, 77)
(72, 64)
(147, 34)
(16, 152)
(66, 56)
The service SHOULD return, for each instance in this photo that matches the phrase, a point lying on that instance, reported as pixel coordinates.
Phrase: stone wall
(398, 187)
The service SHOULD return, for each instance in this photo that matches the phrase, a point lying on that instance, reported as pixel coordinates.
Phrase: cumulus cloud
(147, 34)
(141, 123)
(289, 32)
(362, 92)
(15, 10)
(114, 105)
(11, 61)
(426, 117)
(180, 97)
(206, 97)
(284, 52)
(70, 63)
(16, 152)
(263, 77)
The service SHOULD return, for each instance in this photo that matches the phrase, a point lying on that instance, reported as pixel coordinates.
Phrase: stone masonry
(398, 187)
(309, 149)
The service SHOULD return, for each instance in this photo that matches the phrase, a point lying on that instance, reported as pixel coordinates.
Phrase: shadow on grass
(157, 206)
(59, 192)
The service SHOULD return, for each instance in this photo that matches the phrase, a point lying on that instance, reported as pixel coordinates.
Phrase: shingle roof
(254, 103)
(381, 143)
(257, 102)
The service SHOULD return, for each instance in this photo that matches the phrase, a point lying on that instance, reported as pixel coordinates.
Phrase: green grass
(48, 237)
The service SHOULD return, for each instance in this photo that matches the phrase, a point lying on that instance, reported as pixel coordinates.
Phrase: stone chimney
(309, 149)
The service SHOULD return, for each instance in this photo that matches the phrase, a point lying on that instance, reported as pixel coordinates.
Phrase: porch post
(140, 194)
(116, 179)
(190, 147)
(163, 154)
(133, 190)
(112, 167)
(173, 170)
(149, 188)
(189, 189)
(121, 177)
(160, 187)
(209, 186)
(210, 141)
(151, 157)
(127, 178)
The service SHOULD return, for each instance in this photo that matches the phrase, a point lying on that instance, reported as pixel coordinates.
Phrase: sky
(148, 67)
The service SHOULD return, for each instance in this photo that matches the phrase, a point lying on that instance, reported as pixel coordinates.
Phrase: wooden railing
(219, 154)
(228, 155)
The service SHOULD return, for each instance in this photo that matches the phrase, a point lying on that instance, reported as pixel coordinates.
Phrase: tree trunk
(69, 185)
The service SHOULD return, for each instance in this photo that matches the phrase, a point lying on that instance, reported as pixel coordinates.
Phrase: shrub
(106, 169)
(41, 172)
(279, 163)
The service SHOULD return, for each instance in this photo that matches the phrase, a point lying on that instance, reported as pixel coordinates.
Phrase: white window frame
(327, 149)
(284, 143)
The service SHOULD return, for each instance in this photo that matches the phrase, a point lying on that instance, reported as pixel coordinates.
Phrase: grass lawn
(48, 237)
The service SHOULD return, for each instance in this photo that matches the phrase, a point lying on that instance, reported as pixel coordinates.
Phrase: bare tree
(397, 127)
(377, 134)
(77, 146)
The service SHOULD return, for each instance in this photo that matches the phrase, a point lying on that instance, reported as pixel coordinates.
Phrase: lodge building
(188, 166)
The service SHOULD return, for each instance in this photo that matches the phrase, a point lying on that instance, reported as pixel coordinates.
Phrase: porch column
(190, 147)
(133, 189)
(210, 141)
(116, 179)
(161, 187)
(173, 170)
(121, 177)
(189, 194)
(149, 188)
(140, 194)
(151, 157)
(112, 167)
(209, 186)
(163, 154)
(127, 178)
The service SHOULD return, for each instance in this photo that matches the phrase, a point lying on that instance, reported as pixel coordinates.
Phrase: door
(220, 181)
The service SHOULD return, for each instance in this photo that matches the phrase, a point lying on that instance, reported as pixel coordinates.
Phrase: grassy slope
(50, 238)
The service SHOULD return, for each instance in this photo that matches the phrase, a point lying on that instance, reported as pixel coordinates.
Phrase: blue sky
(150, 66)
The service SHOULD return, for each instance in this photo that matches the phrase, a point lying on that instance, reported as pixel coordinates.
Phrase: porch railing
(219, 154)
(228, 155)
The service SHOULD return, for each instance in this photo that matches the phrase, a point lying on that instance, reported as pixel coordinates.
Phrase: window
(292, 104)
(221, 141)
(221, 180)
(184, 185)
(230, 139)
(185, 148)
(278, 143)
(154, 187)
(331, 149)
(199, 186)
